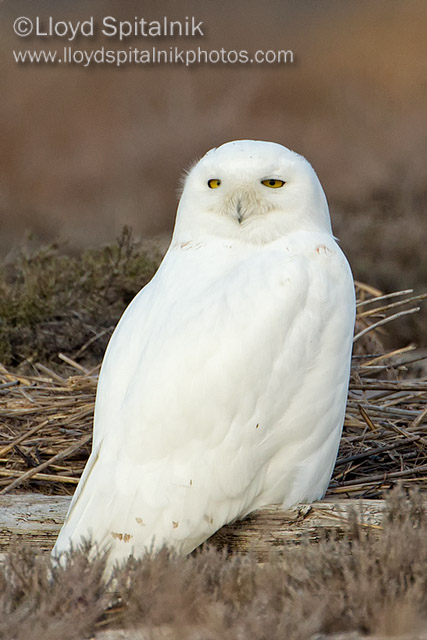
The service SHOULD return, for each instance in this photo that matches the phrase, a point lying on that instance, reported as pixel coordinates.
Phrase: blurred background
(87, 150)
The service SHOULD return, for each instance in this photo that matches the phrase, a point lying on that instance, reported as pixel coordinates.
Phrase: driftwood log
(37, 519)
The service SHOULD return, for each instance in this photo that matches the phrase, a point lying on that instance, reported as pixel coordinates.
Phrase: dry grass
(369, 584)
(47, 417)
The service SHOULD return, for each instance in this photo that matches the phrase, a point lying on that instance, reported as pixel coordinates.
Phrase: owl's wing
(225, 376)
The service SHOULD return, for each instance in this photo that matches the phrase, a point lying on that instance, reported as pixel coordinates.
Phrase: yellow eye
(273, 184)
(214, 183)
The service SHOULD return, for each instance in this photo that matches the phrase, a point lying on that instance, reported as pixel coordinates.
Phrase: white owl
(223, 387)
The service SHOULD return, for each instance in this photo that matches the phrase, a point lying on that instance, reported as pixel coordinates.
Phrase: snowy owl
(224, 385)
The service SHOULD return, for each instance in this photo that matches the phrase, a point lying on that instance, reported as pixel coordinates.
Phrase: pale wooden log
(273, 529)
(37, 519)
(31, 518)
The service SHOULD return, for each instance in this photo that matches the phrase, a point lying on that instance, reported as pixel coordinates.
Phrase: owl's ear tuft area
(183, 178)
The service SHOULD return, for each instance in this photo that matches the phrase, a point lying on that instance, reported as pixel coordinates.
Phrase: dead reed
(46, 418)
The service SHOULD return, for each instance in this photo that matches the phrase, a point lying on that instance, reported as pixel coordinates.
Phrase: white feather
(224, 385)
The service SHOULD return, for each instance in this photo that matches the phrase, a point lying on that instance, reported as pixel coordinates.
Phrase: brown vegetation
(51, 301)
(369, 583)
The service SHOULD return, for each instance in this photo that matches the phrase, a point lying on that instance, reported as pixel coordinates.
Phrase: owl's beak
(239, 211)
(239, 206)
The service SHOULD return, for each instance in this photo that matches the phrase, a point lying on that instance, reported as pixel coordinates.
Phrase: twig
(385, 476)
(51, 373)
(375, 325)
(72, 363)
(418, 420)
(23, 437)
(91, 341)
(386, 307)
(376, 451)
(391, 354)
(59, 456)
(376, 298)
(10, 473)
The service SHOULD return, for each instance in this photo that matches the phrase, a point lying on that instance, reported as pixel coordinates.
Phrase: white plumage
(224, 385)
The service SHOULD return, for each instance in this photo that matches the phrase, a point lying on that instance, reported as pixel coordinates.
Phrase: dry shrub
(51, 301)
(42, 602)
(367, 582)
(384, 238)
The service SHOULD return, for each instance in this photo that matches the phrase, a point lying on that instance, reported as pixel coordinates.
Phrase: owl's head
(253, 191)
